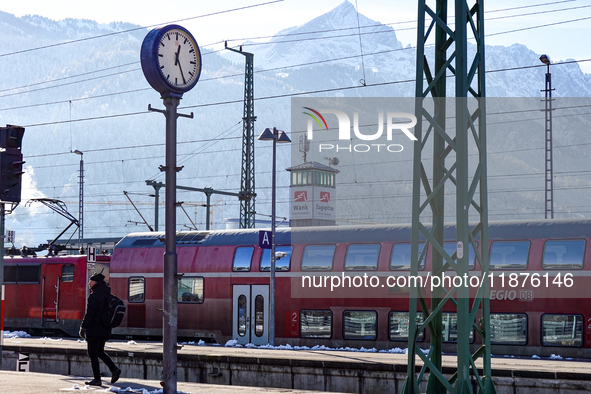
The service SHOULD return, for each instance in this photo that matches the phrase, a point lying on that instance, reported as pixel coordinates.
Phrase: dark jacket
(96, 308)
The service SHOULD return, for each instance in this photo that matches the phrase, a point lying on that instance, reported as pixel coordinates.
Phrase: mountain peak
(335, 34)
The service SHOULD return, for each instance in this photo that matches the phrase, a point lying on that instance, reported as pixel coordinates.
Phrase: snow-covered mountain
(85, 90)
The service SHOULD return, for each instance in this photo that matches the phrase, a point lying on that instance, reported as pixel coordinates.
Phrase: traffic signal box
(11, 163)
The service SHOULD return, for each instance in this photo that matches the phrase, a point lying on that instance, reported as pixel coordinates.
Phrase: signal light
(11, 163)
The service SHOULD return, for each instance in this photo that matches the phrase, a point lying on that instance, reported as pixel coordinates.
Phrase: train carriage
(540, 281)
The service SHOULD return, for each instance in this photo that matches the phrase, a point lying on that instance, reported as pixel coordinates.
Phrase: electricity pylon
(247, 189)
(450, 167)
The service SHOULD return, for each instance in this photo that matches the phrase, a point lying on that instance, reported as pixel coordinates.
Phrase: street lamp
(81, 200)
(281, 137)
(549, 176)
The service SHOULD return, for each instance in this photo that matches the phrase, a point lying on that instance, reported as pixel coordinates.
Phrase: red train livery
(349, 286)
(47, 295)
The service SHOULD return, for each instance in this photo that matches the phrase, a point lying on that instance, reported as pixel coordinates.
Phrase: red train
(47, 295)
(349, 286)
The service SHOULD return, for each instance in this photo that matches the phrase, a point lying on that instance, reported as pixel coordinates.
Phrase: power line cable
(139, 28)
(341, 29)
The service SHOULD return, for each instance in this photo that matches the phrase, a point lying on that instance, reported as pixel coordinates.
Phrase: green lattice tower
(247, 184)
(450, 168)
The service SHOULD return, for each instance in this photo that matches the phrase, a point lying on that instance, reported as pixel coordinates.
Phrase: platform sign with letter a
(91, 254)
(264, 239)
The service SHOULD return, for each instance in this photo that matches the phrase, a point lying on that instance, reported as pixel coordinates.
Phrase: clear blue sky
(560, 41)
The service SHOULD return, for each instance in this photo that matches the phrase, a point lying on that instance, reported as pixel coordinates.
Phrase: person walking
(95, 332)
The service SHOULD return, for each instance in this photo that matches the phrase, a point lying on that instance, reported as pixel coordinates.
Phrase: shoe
(94, 382)
(115, 376)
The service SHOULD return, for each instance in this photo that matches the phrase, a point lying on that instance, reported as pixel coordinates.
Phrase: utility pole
(549, 174)
(81, 201)
(156, 196)
(247, 184)
(449, 160)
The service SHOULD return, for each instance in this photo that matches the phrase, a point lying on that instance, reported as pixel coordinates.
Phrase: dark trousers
(96, 350)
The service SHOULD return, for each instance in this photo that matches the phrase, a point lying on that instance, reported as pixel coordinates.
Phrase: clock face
(178, 58)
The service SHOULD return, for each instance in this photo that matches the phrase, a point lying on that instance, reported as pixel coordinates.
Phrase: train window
(318, 257)
(562, 330)
(451, 247)
(398, 325)
(242, 315)
(259, 315)
(10, 274)
(136, 289)
(190, 289)
(362, 257)
(315, 324)
(281, 264)
(508, 328)
(509, 254)
(242, 258)
(400, 259)
(563, 254)
(360, 325)
(144, 242)
(67, 273)
(28, 273)
(449, 328)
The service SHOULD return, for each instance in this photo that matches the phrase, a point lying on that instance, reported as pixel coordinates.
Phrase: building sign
(313, 202)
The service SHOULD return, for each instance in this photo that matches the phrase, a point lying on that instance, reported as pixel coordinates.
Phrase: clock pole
(170, 276)
(164, 69)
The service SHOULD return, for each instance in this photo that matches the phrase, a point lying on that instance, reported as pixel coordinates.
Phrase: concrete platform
(291, 370)
(42, 383)
(502, 366)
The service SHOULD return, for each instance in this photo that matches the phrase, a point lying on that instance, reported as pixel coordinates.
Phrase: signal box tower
(449, 166)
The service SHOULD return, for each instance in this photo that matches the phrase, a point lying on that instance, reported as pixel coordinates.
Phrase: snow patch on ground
(16, 334)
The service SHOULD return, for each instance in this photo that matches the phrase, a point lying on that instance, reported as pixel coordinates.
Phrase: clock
(171, 60)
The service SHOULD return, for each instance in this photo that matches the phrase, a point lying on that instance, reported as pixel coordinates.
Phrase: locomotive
(47, 294)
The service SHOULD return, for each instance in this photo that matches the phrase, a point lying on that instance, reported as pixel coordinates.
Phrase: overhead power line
(139, 28)
(310, 32)
(369, 85)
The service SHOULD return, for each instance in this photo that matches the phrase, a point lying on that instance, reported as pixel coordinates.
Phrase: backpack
(114, 313)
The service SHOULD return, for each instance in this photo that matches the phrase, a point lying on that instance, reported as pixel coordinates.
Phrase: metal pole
(81, 203)
(156, 206)
(80, 200)
(549, 197)
(272, 280)
(207, 207)
(1, 280)
(169, 331)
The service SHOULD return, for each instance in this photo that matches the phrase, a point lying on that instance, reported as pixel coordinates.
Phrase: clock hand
(177, 62)
(182, 75)
(176, 56)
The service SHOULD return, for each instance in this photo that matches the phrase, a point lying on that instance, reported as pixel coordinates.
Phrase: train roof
(515, 229)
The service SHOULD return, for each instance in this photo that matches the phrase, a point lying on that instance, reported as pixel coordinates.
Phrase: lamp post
(281, 137)
(81, 200)
(549, 176)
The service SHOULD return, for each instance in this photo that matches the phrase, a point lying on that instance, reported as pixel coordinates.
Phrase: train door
(51, 283)
(250, 310)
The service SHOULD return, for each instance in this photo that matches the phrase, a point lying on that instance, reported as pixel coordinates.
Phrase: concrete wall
(348, 377)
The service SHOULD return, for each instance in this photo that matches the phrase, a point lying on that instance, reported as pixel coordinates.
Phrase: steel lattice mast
(549, 175)
(450, 167)
(247, 185)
